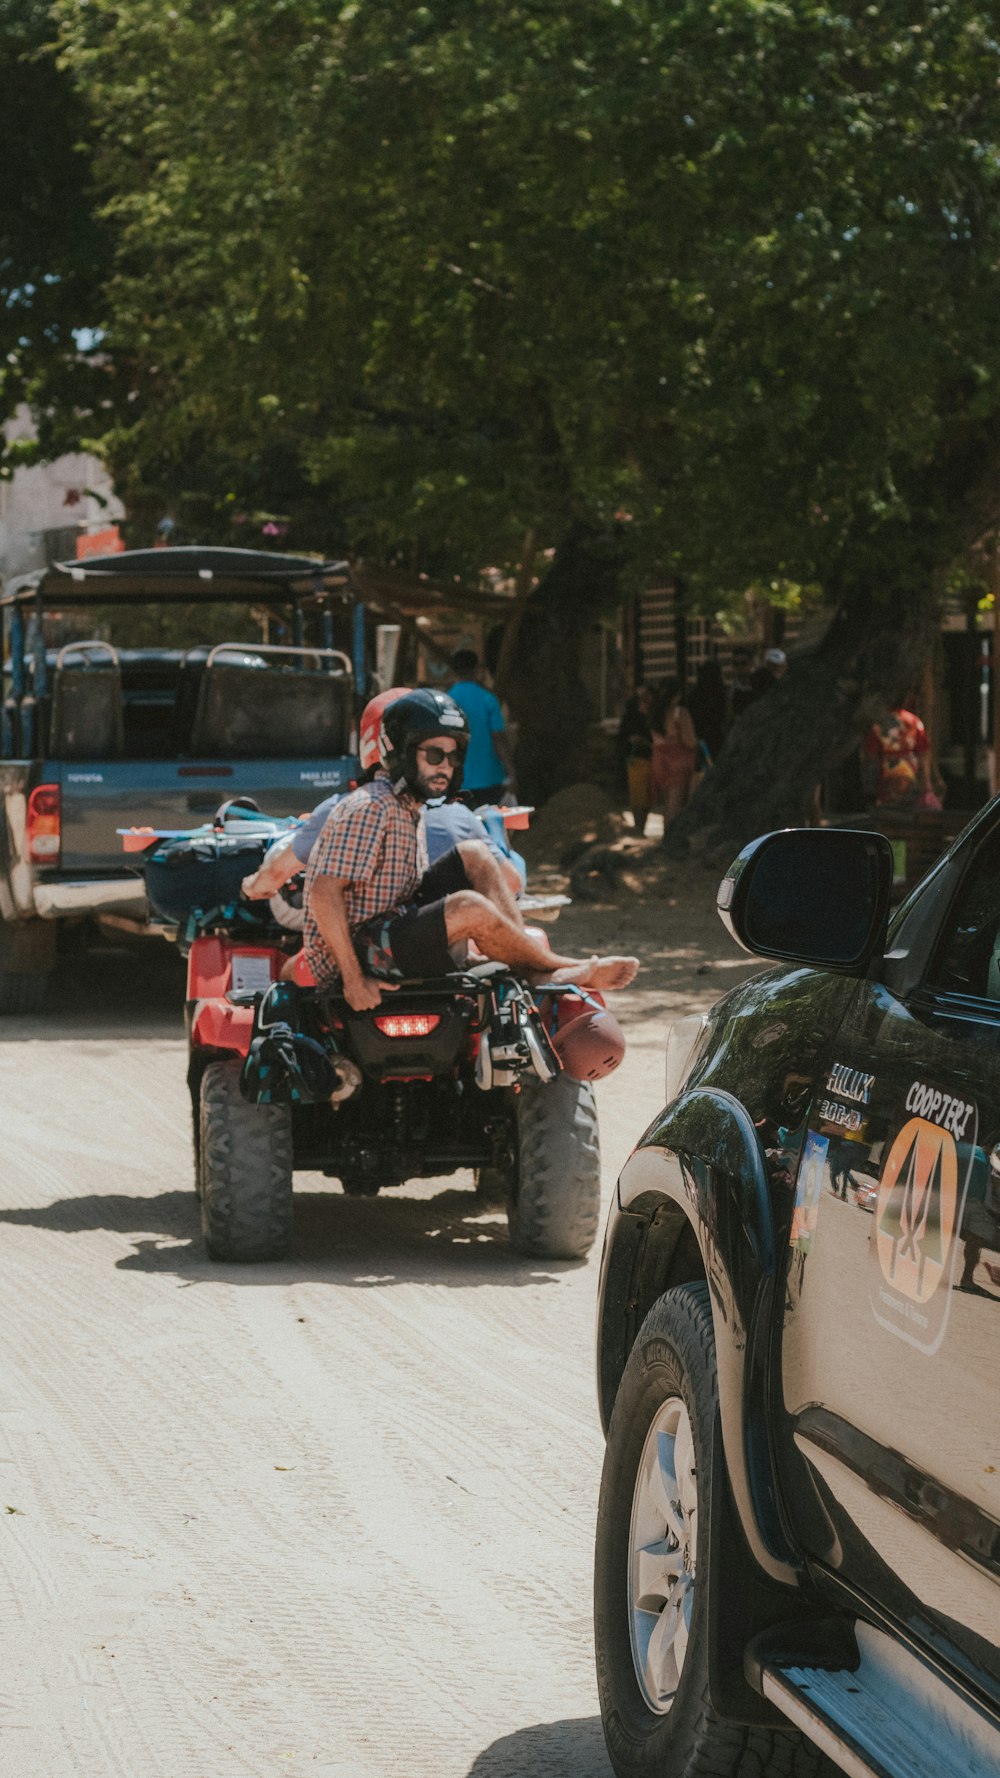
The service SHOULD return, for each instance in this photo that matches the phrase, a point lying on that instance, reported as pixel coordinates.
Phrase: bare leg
(486, 877)
(469, 915)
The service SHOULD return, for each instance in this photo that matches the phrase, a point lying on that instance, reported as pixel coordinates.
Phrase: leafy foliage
(53, 251)
(730, 266)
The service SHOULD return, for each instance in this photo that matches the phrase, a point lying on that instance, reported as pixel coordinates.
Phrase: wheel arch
(655, 1247)
(694, 1203)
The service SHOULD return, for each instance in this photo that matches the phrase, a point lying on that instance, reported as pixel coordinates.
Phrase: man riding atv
(374, 914)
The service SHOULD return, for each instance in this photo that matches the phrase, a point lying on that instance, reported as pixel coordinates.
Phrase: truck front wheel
(656, 1537)
(244, 1169)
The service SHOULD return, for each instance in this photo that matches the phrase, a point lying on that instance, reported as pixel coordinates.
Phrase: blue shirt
(483, 765)
(444, 825)
(305, 837)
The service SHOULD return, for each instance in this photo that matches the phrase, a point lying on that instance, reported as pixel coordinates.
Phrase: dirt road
(330, 1517)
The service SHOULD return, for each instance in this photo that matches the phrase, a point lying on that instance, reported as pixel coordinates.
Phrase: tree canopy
(721, 276)
(729, 267)
(53, 249)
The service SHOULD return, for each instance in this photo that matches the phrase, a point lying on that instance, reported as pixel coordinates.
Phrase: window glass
(967, 960)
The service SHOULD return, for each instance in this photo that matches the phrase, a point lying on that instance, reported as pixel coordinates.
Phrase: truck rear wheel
(27, 955)
(556, 1200)
(245, 1170)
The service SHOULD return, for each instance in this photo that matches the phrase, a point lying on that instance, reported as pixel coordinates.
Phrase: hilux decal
(850, 1089)
(850, 1083)
(921, 1192)
(846, 1117)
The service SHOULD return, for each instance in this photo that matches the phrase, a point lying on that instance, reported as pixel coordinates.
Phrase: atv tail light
(408, 1024)
(43, 824)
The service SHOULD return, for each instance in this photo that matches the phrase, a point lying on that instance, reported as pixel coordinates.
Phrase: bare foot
(599, 972)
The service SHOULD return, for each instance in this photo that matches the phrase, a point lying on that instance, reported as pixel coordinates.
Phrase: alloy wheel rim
(662, 1552)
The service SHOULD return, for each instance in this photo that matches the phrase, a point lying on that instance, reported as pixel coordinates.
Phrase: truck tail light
(43, 825)
(408, 1024)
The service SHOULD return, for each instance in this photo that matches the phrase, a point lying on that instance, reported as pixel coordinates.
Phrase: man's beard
(432, 789)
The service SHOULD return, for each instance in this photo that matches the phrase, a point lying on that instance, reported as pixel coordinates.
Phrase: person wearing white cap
(773, 667)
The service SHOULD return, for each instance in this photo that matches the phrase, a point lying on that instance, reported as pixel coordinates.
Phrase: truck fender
(703, 1157)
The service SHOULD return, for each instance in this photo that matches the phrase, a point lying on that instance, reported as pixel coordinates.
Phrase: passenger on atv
(446, 821)
(375, 915)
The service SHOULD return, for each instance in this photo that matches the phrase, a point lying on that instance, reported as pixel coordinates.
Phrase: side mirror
(813, 895)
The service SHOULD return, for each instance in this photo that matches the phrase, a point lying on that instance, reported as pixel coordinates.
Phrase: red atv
(472, 1070)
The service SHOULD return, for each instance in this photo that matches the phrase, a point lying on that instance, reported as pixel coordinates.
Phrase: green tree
(729, 267)
(53, 250)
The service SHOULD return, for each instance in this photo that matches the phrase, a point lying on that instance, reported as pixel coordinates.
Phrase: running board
(883, 1714)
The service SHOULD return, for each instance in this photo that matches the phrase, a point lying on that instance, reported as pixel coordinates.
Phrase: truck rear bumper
(56, 901)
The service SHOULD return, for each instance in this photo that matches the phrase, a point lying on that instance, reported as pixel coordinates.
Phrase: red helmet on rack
(588, 1039)
(370, 732)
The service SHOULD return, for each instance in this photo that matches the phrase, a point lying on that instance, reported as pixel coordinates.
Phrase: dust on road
(333, 1516)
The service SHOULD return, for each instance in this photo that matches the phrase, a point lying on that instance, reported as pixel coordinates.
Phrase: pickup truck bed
(96, 736)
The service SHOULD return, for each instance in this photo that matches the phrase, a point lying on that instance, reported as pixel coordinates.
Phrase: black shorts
(412, 941)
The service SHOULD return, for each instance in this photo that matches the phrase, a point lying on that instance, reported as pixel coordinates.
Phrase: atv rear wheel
(556, 1201)
(245, 1170)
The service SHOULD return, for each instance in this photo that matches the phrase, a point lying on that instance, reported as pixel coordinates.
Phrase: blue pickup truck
(147, 688)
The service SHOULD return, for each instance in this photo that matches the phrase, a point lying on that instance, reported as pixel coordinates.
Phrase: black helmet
(418, 717)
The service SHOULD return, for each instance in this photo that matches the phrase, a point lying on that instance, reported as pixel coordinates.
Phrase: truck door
(891, 1345)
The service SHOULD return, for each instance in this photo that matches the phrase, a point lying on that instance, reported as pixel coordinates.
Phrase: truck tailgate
(99, 798)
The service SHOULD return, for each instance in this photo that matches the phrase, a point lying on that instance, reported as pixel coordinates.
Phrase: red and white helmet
(370, 751)
(588, 1039)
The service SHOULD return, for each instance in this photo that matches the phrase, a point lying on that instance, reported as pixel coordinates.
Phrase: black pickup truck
(148, 688)
(798, 1546)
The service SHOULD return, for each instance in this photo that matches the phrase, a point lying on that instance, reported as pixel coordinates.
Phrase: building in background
(663, 641)
(54, 512)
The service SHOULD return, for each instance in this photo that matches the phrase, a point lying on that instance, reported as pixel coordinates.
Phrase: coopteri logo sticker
(917, 1218)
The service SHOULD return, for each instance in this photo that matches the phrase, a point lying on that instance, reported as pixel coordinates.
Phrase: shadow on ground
(133, 991)
(573, 1749)
(450, 1239)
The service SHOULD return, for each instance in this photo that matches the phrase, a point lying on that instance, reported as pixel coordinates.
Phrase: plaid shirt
(371, 842)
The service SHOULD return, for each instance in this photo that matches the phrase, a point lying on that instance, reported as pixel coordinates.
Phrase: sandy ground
(329, 1517)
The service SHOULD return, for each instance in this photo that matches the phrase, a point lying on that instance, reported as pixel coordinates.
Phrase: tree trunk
(544, 689)
(512, 628)
(780, 749)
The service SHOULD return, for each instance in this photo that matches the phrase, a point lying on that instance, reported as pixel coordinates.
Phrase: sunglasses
(439, 756)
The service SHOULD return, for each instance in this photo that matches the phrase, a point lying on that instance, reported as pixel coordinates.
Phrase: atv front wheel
(556, 1200)
(245, 1170)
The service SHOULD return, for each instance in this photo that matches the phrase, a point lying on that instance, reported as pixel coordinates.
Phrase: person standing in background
(773, 667)
(900, 750)
(675, 747)
(635, 749)
(489, 768)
